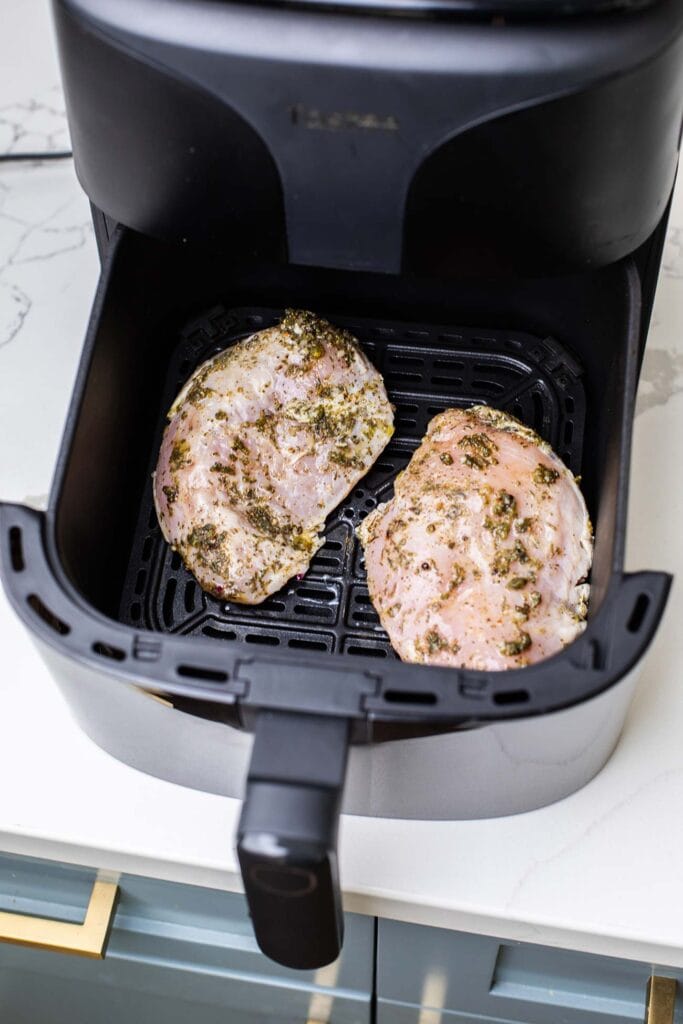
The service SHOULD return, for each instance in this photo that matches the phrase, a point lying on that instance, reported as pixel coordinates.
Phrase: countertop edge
(112, 863)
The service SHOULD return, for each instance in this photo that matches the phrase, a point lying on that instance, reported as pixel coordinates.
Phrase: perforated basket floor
(426, 370)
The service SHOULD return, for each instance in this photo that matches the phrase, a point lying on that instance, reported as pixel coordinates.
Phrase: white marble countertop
(599, 871)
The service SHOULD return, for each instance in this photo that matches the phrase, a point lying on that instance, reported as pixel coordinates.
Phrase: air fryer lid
(381, 144)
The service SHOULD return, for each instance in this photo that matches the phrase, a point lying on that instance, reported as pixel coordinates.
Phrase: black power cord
(54, 154)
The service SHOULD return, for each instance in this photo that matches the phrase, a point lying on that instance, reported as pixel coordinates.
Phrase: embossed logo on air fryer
(338, 120)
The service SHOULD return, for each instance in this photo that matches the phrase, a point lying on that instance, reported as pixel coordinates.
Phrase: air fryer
(479, 192)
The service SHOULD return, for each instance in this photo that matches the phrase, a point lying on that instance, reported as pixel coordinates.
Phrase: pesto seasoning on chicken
(481, 557)
(264, 440)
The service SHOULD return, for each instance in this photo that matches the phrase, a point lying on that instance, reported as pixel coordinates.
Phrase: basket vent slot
(410, 697)
(16, 549)
(637, 616)
(48, 616)
(219, 634)
(108, 651)
(511, 697)
(365, 651)
(307, 645)
(209, 675)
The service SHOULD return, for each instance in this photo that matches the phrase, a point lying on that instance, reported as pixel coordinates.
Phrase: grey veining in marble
(35, 124)
(39, 220)
(661, 377)
(48, 263)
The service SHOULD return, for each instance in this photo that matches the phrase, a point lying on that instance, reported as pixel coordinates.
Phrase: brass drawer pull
(87, 939)
(661, 1000)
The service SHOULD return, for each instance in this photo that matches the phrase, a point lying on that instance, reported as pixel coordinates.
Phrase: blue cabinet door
(479, 978)
(176, 954)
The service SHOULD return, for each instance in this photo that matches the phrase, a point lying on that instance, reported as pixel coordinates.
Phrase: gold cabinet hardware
(660, 1001)
(160, 698)
(87, 939)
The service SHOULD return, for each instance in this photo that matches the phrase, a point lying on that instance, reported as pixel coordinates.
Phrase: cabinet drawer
(176, 953)
(478, 977)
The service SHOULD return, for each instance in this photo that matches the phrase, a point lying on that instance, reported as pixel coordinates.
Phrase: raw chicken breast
(264, 440)
(479, 560)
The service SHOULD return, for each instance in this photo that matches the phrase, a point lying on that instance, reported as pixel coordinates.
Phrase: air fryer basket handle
(287, 837)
